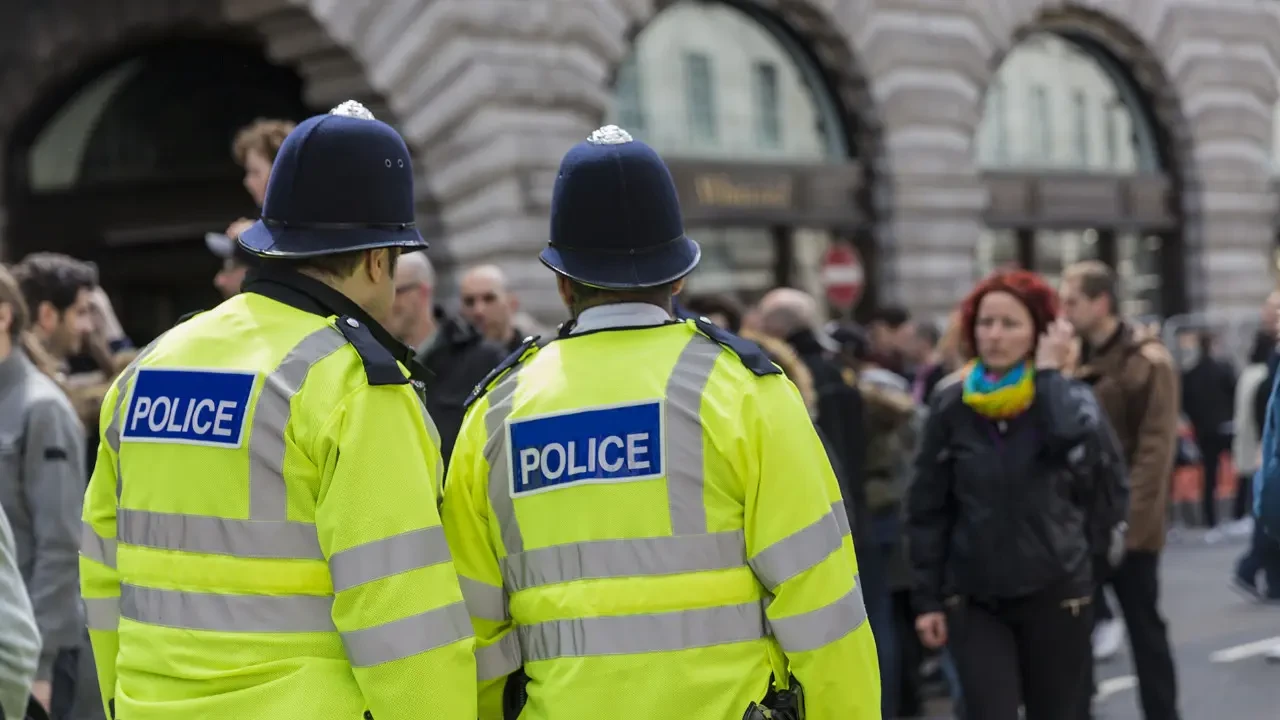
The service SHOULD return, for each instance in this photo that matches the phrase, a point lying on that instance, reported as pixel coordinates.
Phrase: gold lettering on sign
(720, 190)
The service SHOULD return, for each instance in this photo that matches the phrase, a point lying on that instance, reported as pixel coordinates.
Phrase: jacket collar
(1107, 357)
(310, 295)
(451, 332)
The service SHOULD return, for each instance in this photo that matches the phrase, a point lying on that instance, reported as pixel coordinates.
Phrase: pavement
(1218, 636)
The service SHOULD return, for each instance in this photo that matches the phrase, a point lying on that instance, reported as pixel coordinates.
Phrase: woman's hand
(932, 629)
(1053, 352)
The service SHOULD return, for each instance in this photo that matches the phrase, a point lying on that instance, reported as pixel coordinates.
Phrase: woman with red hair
(1019, 490)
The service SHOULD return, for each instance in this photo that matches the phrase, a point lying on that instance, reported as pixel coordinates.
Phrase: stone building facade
(490, 93)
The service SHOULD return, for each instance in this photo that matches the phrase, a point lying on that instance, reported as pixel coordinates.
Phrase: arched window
(744, 117)
(1073, 164)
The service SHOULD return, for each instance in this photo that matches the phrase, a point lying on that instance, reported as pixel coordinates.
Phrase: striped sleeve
(800, 548)
(466, 519)
(99, 581)
(397, 603)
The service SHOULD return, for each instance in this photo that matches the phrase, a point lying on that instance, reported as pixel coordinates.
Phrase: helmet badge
(352, 109)
(609, 135)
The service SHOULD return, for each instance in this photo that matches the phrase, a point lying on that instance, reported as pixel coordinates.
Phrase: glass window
(1138, 268)
(699, 98)
(706, 72)
(734, 259)
(997, 249)
(1055, 250)
(629, 97)
(1059, 99)
(1080, 110)
(1041, 124)
(768, 121)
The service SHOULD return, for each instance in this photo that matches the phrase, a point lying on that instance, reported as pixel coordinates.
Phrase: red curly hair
(1029, 288)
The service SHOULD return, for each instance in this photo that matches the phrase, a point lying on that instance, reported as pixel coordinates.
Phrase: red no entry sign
(843, 275)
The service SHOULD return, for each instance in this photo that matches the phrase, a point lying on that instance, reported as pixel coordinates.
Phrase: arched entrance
(770, 166)
(1077, 168)
(128, 164)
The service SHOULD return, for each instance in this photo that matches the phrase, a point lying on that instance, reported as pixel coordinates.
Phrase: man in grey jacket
(41, 491)
(19, 636)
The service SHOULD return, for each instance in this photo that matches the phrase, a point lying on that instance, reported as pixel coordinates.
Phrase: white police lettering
(194, 407)
(617, 444)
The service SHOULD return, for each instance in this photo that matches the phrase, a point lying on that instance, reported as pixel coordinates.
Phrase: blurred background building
(940, 138)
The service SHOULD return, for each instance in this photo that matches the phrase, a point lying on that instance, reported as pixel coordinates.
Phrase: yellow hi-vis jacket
(646, 522)
(261, 533)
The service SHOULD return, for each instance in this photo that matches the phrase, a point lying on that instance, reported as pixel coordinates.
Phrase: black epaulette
(187, 317)
(527, 349)
(750, 354)
(380, 366)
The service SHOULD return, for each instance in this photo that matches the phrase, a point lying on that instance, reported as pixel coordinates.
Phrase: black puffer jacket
(997, 510)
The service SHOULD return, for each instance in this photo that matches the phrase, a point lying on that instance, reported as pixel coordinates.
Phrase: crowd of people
(1006, 478)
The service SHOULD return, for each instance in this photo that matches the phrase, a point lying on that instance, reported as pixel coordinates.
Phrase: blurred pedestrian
(722, 310)
(41, 485)
(255, 148)
(491, 307)
(453, 350)
(892, 336)
(1208, 395)
(1136, 383)
(1004, 525)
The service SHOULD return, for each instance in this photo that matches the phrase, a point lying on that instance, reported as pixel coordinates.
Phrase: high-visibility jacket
(646, 522)
(262, 536)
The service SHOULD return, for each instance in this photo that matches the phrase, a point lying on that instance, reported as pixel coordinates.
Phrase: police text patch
(192, 407)
(598, 445)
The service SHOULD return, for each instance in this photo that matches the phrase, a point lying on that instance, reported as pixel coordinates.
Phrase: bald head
(488, 304)
(786, 311)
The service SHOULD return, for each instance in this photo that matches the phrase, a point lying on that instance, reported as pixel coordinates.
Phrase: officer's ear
(6, 318)
(380, 263)
(677, 286)
(566, 290)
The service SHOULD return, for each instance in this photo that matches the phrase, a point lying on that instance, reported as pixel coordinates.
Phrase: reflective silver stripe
(407, 637)
(797, 552)
(102, 613)
(112, 435)
(683, 420)
(623, 558)
(97, 548)
(227, 613)
(388, 556)
(434, 433)
(219, 536)
(267, 496)
(499, 659)
(636, 634)
(496, 453)
(817, 628)
(484, 601)
(842, 517)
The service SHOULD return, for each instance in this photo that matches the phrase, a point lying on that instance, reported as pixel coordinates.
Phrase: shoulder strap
(187, 317)
(751, 355)
(380, 366)
(527, 349)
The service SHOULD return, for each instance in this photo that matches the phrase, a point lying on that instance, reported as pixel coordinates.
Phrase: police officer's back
(642, 515)
(263, 530)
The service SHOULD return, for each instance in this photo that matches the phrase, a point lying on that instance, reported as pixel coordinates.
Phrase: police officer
(261, 533)
(644, 519)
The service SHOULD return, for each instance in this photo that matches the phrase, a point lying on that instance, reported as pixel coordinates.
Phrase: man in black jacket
(450, 347)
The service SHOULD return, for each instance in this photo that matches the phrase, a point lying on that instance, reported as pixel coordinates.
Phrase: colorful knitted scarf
(999, 397)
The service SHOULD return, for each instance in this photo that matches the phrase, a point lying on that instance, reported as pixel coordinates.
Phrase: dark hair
(1029, 288)
(53, 278)
(1096, 279)
(585, 296)
(19, 327)
(891, 315)
(928, 332)
(716, 304)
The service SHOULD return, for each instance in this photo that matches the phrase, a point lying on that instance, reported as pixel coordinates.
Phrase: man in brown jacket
(1136, 384)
